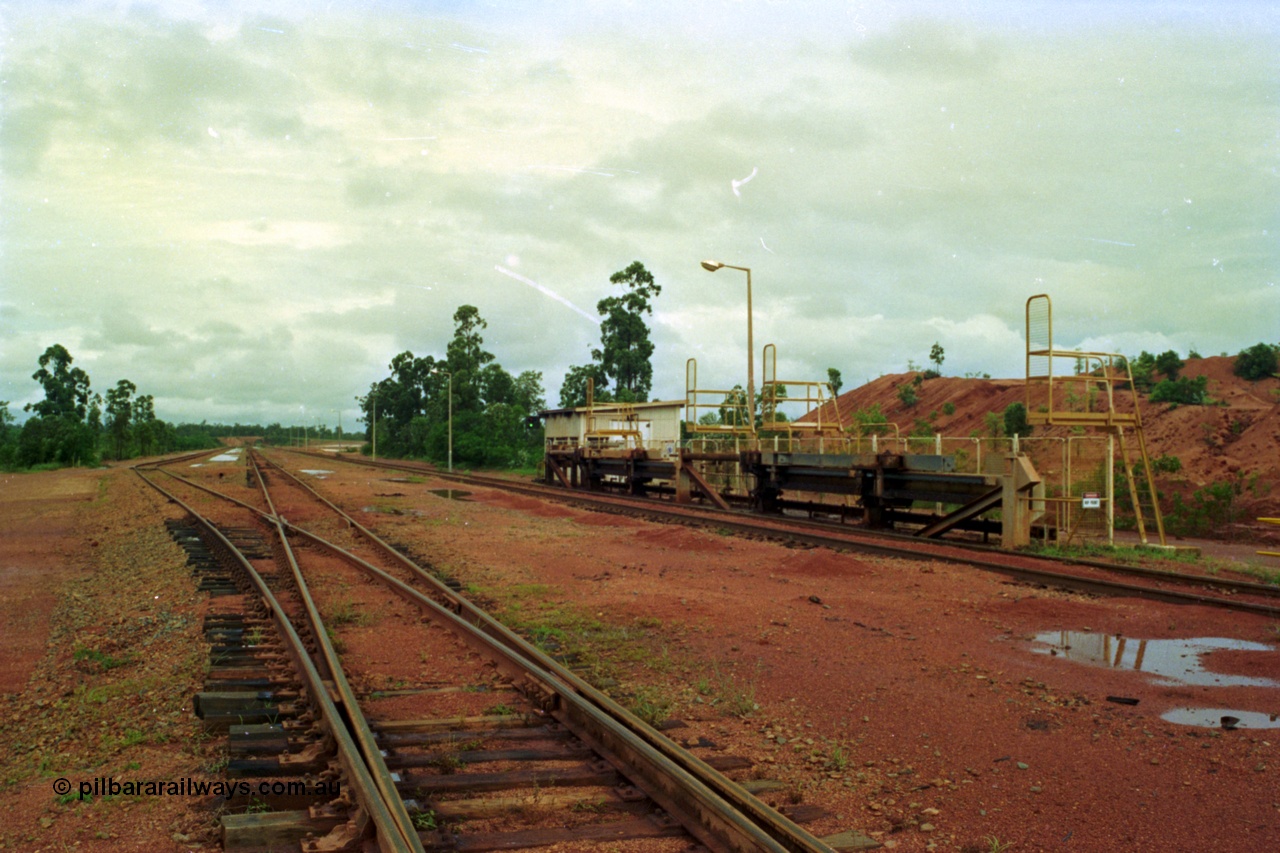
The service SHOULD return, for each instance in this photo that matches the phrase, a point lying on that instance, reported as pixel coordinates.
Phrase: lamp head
(711, 266)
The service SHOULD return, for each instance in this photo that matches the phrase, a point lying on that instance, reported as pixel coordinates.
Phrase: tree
(573, 390)
(58, 433)
(1015, 420)
(1169, 364)
(774, 396)
(66, 388)
(528, 394)
(835, 381)
(937, 357)
(625, 348)
(1257, 362)
(146, 429)
(120, 414)
(1141, 368)
(733, 409)
(467, 357)
(8, 437)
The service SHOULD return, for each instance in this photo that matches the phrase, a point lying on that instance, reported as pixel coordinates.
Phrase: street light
(450, 375)
(712, 266)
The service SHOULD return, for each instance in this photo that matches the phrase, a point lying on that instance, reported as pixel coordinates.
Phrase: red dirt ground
(909, 699)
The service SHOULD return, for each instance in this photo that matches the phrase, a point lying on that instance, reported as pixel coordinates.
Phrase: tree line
(74, 425)
(493, 413)
(490, 411)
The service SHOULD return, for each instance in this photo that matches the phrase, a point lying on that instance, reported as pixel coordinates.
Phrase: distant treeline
(274, 433)
(73, 425)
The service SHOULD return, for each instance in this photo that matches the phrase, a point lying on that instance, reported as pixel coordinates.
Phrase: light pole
(450, 375)
(712, 266)
(338, 412)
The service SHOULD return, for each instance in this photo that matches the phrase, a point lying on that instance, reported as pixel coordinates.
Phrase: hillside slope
(1235, 439)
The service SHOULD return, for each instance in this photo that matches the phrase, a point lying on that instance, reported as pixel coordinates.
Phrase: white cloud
(917, 174)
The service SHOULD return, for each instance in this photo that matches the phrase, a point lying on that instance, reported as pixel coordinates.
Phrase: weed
(448, 763)
(218, 764)
(594, 806)
(345, 612)
(837, 759)
(739, 701)
(651, 705)
(95, 658)
(334, 640)
(502, 710)
(995, 845)
(255, 636)
(257, 806)
(425, 820)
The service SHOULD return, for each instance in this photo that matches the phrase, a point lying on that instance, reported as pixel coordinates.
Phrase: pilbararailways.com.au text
(109, 786)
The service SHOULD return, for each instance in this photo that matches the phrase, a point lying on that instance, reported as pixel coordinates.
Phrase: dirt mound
(1234, 439)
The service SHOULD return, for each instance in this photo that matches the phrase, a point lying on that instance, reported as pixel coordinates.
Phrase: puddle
(1212, 718)
(228, 456)
(315, 472)
(1172, 661)
(450, 494)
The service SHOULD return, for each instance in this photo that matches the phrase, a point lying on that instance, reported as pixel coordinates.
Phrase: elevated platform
(884, 490)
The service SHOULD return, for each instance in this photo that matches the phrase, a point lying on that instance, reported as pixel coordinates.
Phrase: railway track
(1093, 577)
(476, 740)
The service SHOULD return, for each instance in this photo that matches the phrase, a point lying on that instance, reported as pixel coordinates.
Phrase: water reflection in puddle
(1213, 717)
(450, 494)
(1174, 661)
(315, 472)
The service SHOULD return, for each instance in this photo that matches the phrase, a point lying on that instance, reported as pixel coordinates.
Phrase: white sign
(1091, 500)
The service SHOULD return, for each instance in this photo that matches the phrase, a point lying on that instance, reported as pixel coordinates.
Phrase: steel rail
(724, 815)
(357, 723)
(916, 546)
(372, 805)
(728, 815)
(860, 542)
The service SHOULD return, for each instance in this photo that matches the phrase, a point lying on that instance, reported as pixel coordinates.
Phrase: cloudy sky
(249, 214)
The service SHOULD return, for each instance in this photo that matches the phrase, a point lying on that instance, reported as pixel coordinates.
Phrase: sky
(249, 214)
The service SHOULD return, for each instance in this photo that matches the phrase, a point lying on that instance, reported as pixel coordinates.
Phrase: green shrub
(1257, 362)
(1169, 364)
(907, 396)
(1166, 464)
(1015, 420)
(1208, 510)
(871, 421)
(1183, 391)
(948, 409)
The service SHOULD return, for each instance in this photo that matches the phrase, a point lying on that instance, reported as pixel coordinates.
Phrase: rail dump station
(750, 456)
(637, 448)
